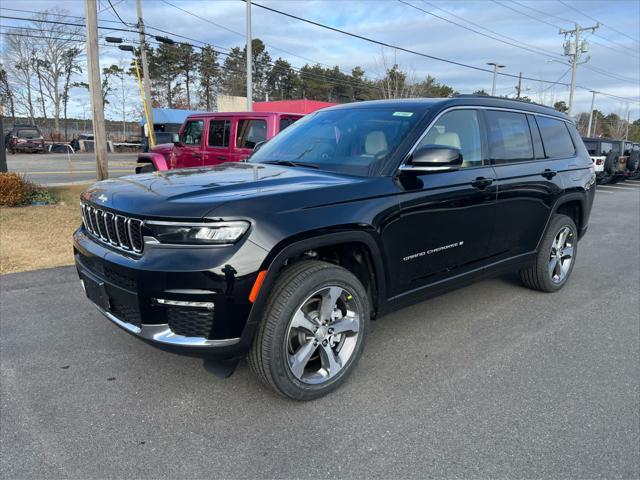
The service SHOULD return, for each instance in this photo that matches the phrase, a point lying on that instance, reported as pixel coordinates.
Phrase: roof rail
(494, 97)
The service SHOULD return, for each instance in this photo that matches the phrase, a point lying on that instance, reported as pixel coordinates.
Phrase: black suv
(350, 213)
(25, 138)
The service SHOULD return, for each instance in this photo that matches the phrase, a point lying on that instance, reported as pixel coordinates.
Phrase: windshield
(352, 141)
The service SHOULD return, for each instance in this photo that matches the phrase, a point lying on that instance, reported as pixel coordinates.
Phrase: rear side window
(286, 121)
(509, 137)
(219, 133)
(592, 148)
(251, 132)
(556, 138)
(192, 134)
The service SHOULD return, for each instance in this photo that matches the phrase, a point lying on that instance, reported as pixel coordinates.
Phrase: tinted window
(192, 133)
(458, 129)
(286, 121)
(347, 140)
(251, 132)
(219, 133)
(592, 148)
(28, 133)
(509, 137)
(556, 138)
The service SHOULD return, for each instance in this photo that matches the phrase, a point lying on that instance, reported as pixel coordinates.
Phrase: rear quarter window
(556, 138)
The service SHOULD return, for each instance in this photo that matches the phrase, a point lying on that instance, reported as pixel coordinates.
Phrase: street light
(496, 66)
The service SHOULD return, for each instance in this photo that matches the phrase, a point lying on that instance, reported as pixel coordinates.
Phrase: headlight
(198, 234)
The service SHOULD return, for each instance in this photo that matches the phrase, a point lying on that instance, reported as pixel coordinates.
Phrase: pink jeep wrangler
(213, 138)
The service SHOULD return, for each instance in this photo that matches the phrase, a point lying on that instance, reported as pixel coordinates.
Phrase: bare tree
(394, 81)
(17, 56)
(6, 95)
(53, 47)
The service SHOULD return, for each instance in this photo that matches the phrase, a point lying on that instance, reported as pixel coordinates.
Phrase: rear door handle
(481, 183)
(548, 173)
(221, 158)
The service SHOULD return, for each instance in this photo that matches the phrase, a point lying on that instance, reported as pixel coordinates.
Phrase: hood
(195, 192)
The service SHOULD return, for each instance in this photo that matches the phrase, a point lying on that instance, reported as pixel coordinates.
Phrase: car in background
(207, 139)
(608, 157)
(25, 138)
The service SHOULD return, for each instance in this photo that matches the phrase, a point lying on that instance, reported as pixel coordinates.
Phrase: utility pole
(496, 66)
(593, 103)
(145, 75)
(519, 87)
(95, 90)
(626, 132)
(249, 60)
(574, 50)
(3, 151)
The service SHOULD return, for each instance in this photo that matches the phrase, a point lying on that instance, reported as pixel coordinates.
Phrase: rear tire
(556, 256)
(312, 332)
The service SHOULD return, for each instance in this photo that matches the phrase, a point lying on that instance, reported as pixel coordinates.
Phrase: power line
(117, 15)
(389, 45)
(522, 45)
(554, 25)
(595, 20)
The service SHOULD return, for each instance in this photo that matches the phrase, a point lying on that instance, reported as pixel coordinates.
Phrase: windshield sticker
(402, 114)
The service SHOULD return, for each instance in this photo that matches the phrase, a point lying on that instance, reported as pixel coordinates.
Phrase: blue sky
(614, 66)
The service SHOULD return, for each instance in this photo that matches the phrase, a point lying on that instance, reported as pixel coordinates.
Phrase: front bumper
(145, 295)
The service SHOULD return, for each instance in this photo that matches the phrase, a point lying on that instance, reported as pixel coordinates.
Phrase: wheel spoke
(303, 321)
(329, 298)
(567, 252)
(562, 237)
(346, 324)
(330, 361)
(553, 264)
(299, 360)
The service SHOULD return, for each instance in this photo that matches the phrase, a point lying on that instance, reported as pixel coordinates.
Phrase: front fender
(158, 160)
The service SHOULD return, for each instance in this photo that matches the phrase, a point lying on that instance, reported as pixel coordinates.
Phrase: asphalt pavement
(489, 381)
(52, 169)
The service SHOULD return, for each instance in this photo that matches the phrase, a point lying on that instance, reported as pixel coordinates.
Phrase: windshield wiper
(290, 163)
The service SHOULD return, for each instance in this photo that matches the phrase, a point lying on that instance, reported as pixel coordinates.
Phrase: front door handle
(197, 154)
(548, 173)
(481, 183)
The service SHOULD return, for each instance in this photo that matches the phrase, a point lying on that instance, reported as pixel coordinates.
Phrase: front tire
(556, 257)
(312, 331)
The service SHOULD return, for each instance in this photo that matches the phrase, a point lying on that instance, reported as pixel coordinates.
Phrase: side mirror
(175, 138)
(433, 159)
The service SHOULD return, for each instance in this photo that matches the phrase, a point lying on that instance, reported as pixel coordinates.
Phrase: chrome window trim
(468, 107)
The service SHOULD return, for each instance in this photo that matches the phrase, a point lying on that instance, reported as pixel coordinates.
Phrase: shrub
(14, 189)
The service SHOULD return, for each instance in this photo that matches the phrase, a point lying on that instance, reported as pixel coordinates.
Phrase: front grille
(190, 322)
(116, 230)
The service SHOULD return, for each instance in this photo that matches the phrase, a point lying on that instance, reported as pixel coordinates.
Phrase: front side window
(458, 129)
(354, 141)
(509, 137)
(251, 132)
(192, 133)
(556, 138)
(219, 132)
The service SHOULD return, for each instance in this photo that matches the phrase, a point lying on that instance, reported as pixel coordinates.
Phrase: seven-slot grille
(117, 230)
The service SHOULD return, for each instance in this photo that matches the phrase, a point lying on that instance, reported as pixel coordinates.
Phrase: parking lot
(62, 168)
(488, 381)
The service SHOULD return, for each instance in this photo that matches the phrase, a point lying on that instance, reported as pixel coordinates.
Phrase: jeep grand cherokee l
(350, 213)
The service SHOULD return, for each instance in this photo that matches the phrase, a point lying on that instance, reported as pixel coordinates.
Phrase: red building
(291, 106)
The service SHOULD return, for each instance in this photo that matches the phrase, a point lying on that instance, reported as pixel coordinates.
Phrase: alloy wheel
(322, 335)
(561, 256)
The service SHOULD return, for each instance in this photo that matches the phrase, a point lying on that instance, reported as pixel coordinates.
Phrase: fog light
(181, 303)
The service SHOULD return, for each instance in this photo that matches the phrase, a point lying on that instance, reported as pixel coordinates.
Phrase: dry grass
(40, 237)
